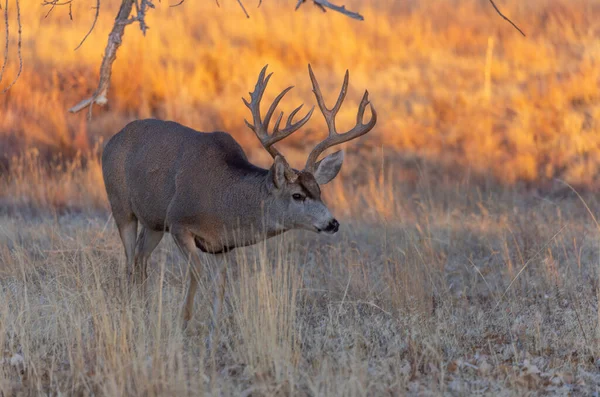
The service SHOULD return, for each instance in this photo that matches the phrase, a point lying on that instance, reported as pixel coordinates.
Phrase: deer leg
(128, 233)
(220, 281)
(185, 241)
(147, 241)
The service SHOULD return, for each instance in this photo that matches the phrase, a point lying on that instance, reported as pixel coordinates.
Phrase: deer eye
(298, 197)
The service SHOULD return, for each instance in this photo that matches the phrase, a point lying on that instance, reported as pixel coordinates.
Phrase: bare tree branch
(93, 25)
(54, 3)
(115, 38)
(141, 6)
(141, 13)
(243, 8)
(7, 40)
(505, 18)
(180, 3)
(18, 49)
(322, 4)
(7, 44)
(110, 54)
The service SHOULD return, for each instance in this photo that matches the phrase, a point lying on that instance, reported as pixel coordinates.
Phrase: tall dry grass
(456, 290)
(441, 281)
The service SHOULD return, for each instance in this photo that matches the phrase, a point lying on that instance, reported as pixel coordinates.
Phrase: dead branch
(55, 3)
(505, 18)
(7, 42)
(93, 24)
(110, 54)
(19, 41)
(115, 38)
(244, 9)
(180, 3)
(141, 10)
(323, 4)
(123, 19)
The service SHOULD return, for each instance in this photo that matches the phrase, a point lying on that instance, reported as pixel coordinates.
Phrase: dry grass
(447, 277)
(413, 299)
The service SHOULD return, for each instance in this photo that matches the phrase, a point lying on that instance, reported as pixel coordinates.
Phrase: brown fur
(201, 188)
(309, 185)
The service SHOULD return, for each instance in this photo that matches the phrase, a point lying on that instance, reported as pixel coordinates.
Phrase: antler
(334, 137)
(261, 127)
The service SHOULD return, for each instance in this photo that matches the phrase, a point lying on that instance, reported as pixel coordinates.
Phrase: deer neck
(249, 204)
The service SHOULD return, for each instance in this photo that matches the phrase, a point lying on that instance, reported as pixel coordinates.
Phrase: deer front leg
(185, 241)
(219, 283)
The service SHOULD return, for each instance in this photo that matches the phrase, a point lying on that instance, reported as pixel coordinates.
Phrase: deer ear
(278, 171)
(282, 172)
(328, 168)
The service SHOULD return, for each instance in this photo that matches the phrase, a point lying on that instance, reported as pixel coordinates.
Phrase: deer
(202, 189)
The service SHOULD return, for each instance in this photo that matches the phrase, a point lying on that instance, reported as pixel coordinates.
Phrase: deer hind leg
(147, 241)
(128, 233)
(185, 241)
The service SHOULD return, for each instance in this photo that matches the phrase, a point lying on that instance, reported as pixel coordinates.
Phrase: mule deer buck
(201, 188)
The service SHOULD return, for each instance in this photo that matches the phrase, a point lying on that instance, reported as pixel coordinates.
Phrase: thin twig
(181, 2)
(7, 40)
(322, 4)
(141, 10)
(49, 11)
(243, 8)
(505, 18)
(93, 25)
(19, 44)
(55, 3)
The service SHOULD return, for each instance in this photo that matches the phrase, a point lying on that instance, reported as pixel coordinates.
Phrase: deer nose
(333, 226)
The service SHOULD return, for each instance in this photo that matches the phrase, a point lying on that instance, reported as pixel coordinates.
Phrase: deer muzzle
(332, 227)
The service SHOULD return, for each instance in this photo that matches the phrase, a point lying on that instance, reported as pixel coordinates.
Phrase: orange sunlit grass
(530, 119)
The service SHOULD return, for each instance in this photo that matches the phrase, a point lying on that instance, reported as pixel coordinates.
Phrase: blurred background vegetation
(456, 87)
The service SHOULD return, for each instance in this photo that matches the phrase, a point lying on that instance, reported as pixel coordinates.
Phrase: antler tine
(260, 127)
(317, 91)
(329, 114)
(361, 112)
(335, 138)
(342, 96)
(254, 104)
(289, 127)
(300, 123)
(277, 122)
(274, 105)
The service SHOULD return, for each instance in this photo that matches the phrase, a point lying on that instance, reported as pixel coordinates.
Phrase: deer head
(295, 196)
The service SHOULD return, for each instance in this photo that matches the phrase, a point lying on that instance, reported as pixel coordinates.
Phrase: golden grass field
(465, 263)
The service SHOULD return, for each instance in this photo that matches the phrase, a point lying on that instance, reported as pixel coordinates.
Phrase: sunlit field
(468, 257)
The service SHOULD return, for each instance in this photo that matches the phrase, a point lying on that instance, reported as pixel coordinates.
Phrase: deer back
(152, 165)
